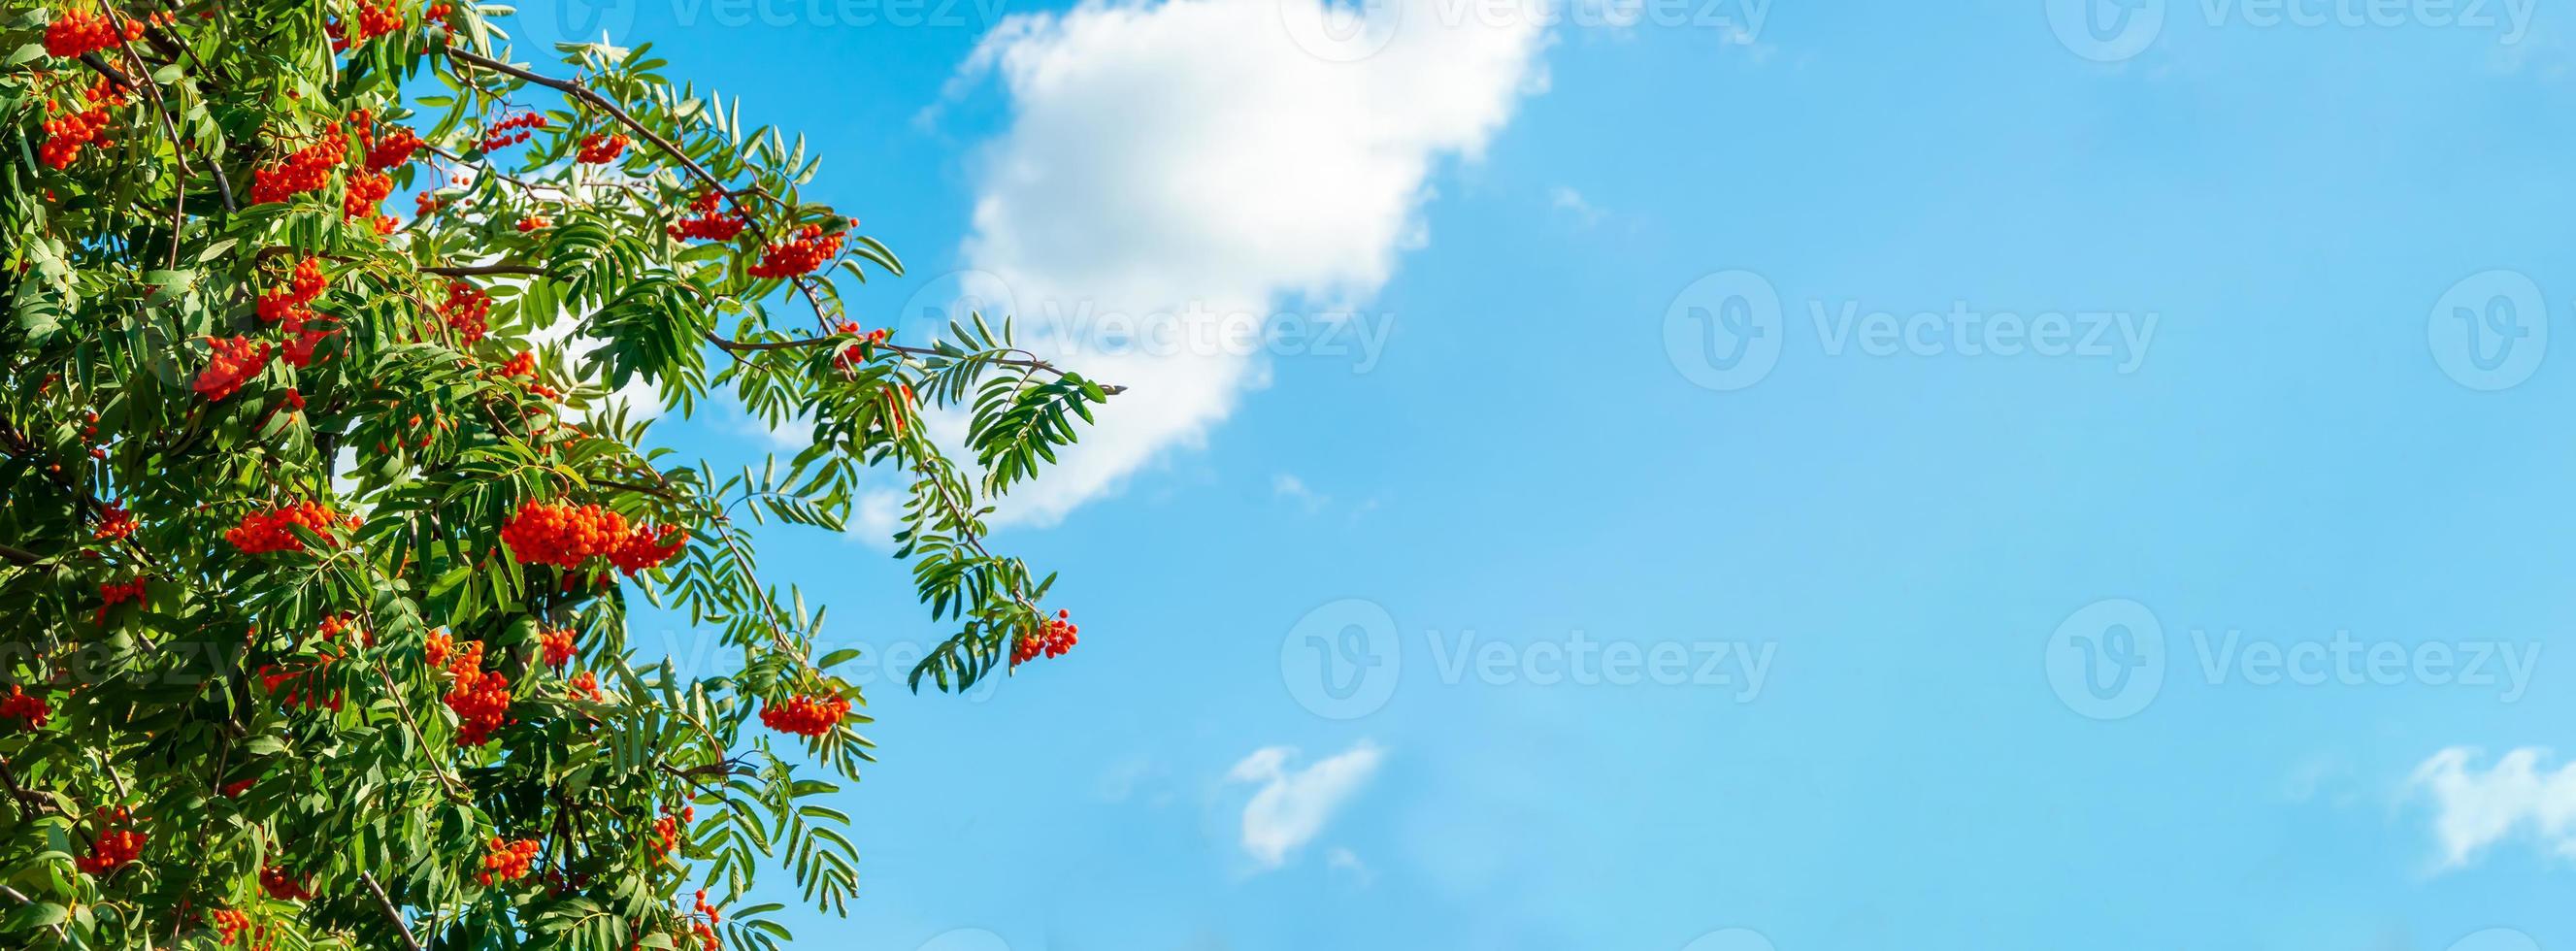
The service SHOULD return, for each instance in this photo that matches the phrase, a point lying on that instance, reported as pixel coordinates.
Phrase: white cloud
(1292, 806)
(2478, 809)
(1572, 202)
(1290, 487)
(1177, 161)
(1346, 860)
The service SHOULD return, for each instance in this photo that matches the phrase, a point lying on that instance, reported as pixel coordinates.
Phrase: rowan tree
(322, 526)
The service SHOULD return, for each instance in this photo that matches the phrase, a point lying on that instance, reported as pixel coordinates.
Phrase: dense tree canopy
(321, 528)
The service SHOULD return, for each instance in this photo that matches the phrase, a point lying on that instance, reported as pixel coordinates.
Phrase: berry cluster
(303, 170)
(853, 354)
(706, 929)
(374, 20)
(75, 33)
(530, 223)
(466, 311)
(798, 255)
(282, 886)
(586, 687)
(365, 197)
(65, 136)
(273, 530)
(31, 712)
(117, 846)
(231, 923)
(557, 644)
(304, 328)
(114, 593)
(114, 522)
(480, 698)
(393, 149)
(666, 830)
(294, 688)
(597, 149)
(1054, 640)
(707, 222)
(805, 716)
(511, 130)
(566, 535)
(506, 860)
(233, 362)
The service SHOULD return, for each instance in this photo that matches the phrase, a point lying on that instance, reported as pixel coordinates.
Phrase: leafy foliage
(304, 500)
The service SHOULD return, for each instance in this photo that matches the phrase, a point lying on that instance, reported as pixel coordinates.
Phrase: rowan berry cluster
(366, 194)
(233, 362)
(31, 711)
(273, 530)
(598, 149)
(805, 716)
(231, 924)
(282, 886)
(304, 328)
(566, 535)
(1054, 640)
(374, 20)
(393, 149)
(77, 32)
(65, 136)
(706, 929)
(530, 223)
(666, 830)
(480, 698)
(586, 687)
(511, 130)
(116, 847)
(853, 354)
(798, 255)
(707, 221)
(114, 593)
(466, 311)
(303, 170)
(114, 522)
(507, 861)
(557, 644)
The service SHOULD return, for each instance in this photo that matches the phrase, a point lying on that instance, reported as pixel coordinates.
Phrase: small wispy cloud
(1572, 202)
(2475, 809)
(1292, 806)
(1294, 489)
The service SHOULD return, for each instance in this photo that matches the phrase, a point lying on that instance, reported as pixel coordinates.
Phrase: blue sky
(1877, 552)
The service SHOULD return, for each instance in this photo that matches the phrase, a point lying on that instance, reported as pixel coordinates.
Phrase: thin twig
(391, 913)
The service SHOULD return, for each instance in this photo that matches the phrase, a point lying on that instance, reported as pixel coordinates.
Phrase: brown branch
(178, 150)
(391, 913)
(482, 269)
(19, 556)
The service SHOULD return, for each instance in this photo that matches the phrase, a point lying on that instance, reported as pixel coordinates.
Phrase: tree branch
(391, 914)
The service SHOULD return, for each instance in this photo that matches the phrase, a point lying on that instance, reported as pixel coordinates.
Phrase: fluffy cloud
(2476, 809)
(1174, 168)
(1292, 806)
